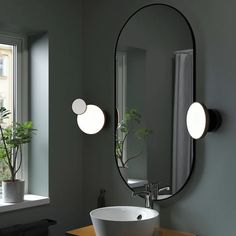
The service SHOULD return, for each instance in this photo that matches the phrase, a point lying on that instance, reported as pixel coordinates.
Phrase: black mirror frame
(194, 88)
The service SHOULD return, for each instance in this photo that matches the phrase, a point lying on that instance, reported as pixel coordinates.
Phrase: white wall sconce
(201, 120)
(90, 118)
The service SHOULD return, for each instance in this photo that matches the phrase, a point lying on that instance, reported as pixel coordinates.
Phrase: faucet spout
(147, 196)
(150, 193)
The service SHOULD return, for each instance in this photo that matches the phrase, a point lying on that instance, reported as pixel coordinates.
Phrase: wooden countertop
(85, 231)
(89, 231)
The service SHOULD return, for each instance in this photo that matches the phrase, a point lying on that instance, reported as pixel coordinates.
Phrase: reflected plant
(129, 126)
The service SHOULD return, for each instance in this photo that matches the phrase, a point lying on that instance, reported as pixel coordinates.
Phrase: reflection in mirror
(154, 88)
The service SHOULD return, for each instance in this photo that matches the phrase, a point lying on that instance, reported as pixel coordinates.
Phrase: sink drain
(139, 217)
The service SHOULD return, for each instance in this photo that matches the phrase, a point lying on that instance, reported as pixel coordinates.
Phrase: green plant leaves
(130, 125)
(18, 134)
(142, 133)
(132, 114)
(12, 139)
(4, 113)
(2, 152)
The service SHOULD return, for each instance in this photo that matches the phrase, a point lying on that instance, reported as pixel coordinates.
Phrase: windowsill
(30, 200)
(135, 183)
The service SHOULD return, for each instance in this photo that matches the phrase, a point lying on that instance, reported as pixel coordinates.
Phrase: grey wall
(207, 204)
(62, 20)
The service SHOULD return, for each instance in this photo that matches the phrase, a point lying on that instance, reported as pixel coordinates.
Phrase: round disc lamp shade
(90, 118)
(197, 120)
(201, 120)
(79, 106)
(91, 121)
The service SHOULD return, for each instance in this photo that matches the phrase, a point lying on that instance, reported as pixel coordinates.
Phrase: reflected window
(121, 87)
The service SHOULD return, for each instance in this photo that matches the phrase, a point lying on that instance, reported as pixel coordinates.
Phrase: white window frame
(20, 88)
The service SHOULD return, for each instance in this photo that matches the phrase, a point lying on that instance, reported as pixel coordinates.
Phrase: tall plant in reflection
(130, 125)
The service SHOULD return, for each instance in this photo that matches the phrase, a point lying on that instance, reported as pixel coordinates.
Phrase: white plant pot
(13, 192)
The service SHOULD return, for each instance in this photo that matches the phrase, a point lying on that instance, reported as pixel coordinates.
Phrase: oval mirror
(155, 85)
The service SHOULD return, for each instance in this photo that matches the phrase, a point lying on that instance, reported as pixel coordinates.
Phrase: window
(121, 74)
(13, 88)
(6, 80)
(16, 53)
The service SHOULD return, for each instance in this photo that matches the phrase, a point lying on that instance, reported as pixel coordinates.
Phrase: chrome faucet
(147, 196)
(150, 193)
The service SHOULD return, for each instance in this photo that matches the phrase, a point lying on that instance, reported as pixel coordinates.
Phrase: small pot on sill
(13, 191)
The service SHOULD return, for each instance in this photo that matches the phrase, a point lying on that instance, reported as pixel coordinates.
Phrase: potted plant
(130, 125)
(13, 138)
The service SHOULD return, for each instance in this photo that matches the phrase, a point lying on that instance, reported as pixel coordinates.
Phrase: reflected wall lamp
(201, 120)
(90, 118)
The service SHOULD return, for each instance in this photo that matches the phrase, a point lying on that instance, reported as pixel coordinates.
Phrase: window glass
(7, 53)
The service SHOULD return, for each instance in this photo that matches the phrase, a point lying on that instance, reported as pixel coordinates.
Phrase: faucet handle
(147, 186)
(153, 188)
(155, 191)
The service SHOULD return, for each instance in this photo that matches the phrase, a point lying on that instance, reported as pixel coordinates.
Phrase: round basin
(124, 221)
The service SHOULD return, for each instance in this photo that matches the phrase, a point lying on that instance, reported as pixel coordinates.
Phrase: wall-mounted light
(90, 118)
(201, 120)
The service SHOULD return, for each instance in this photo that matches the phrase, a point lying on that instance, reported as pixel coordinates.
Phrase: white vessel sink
(124, 221)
